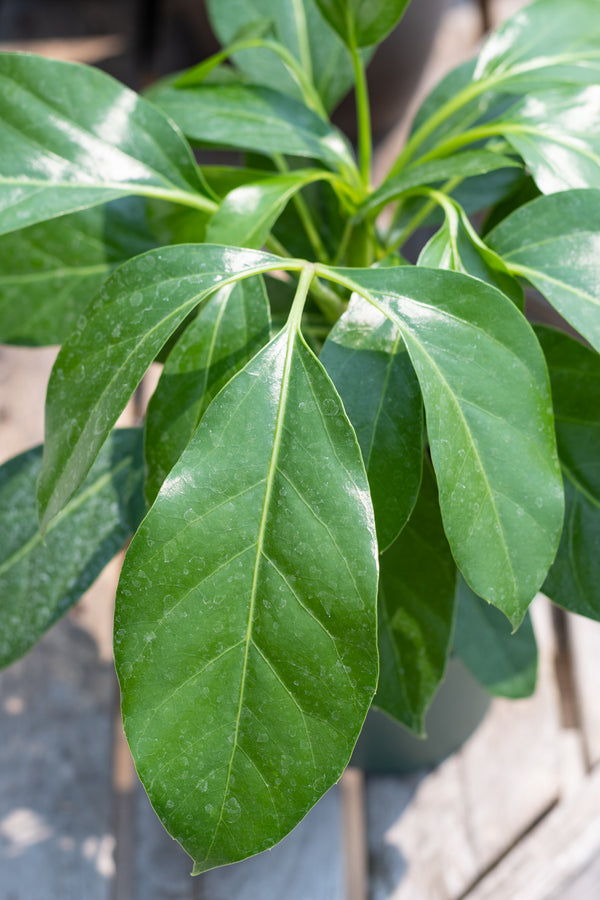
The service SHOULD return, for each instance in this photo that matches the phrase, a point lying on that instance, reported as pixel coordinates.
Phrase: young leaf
(574, 579)
(299, 26)
(504, 663)
(487, 405)
(41, 578)
(554, 242)
(247, 214)
(72, 137)
(104, 358)
(416, 612)
(51, 270)
(362, 24)
(246, 673)
(558, 135)
(229, 329)
(253, 118)
(366, 358)
(458, 247)
(467, 164)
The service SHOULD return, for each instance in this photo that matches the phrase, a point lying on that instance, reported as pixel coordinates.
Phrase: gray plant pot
(386, 748)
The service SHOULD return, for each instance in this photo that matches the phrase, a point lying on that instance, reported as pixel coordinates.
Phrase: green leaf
(247, 673)
(458, 247)
(554, 242)
(247, 214)
(105, 357)
(253, 118)
(72, 137)
(299, 26)
(51, 271)
(505, 664)
(558, 135)
(467, 164)
(366, 358)
(362, 24)
(574, 579)
(41, 578)
(487, 405)
(547, 44)
(230, 328)
(416, 612)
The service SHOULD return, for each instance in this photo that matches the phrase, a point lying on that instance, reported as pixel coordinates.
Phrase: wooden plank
(306, 865)
(55, 751)
(585, 654)
(558, 860)
(432, 836)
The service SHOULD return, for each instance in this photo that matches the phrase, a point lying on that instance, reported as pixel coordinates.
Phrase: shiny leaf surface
(503, 662)
(72, 137)
(487, 404)
(300, 27)
(458, 247)
(105, 357)
(51, 271)
(40, 579)
(246, 673)
(253, 118)
(558, 136)
(416, 612)
(467, 164)
(554, 242)
(230, 328)
(362, 24)
(574, 579)
(547, 44)
(367, 360)
(247, 214)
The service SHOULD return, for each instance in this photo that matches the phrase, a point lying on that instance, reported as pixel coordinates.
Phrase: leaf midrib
(272, 468)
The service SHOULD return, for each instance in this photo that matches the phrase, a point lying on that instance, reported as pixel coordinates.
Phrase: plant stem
(363, 117)
(327, 300)
(305, 215)
(396, 241)
(306, 276)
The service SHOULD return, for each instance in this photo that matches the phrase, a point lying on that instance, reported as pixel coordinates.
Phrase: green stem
(327, 300)
(343, 243)
(306, 276)
(474, 89)
(394, 241)
(305, 215)
(363, 117)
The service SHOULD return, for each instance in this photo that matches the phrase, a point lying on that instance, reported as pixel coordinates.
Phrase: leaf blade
(40, 580)
(274, 654)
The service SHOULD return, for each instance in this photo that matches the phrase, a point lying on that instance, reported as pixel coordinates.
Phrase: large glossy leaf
(416, 612)
(558, 136)
(51, 271)
(574, 579)
(362, 24)
(41, 578)
(503, 662)
(554, 242)
(230, 328)
(547, 44)
(299, 26)
(489, 421)
(247, 670)
(105, 357)
(367, 360)
(247, 214)
(467, 164)
(458, 247)
(253, 118)
(72, 137)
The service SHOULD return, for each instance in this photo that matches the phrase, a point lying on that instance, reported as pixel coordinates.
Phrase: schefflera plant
(336, 433)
